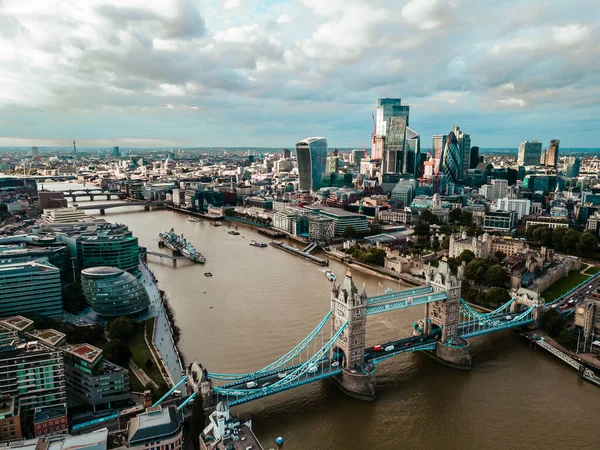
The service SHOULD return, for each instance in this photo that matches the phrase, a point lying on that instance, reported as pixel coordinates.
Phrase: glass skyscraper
(573, 167)
(311, 154)
(530, 153)
(451, 159)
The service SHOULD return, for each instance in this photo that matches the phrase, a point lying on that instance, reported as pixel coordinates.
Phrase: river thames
(261, 302)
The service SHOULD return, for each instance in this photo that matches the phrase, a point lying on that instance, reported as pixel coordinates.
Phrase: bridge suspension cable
(289, 356)
(489, 314)
(292, 378)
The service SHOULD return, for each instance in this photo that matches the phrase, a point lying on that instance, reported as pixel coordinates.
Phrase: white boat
(217, 224)
(330, 275)
(192, 219)
(257, 244)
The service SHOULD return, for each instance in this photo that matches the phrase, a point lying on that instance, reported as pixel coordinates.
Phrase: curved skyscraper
(451, 159)
(311, 154)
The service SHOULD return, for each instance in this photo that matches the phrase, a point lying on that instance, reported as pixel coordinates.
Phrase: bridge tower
(451, 350)
(348, 305)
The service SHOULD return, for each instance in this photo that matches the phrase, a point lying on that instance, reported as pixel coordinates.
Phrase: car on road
(282, 375)
(313, 368)
(407, 344)
(377, 348)
(335, 364)
(389, 348)
(509, 317)
(268, 383)
(251, 384)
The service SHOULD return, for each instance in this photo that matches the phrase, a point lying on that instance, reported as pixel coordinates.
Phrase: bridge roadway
(577, 294)
(120, 204)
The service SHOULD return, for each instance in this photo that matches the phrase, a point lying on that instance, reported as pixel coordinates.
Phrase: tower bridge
(337, 351)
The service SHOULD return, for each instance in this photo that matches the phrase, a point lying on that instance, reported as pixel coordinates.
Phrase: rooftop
(154, 424)
(86, 352)
(102, 270)
(49, 336)
(334, 211)
(17, 323)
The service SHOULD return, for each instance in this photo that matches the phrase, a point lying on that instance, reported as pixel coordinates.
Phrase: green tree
(570, 241)
(121, 328)
(117, 352)
(349, 232)
(435, 244)
(558, 236)
(552, 323)
(475, 271)
(453, 263)
(496, 296)
(500, 255)
(454, 215)
(446, 243)
(422, 228)
(467, 256)
(587, 244)
(427, 216)
(466, 218)
(496, 276)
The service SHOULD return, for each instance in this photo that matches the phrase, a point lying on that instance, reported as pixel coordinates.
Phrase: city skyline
(240, 73)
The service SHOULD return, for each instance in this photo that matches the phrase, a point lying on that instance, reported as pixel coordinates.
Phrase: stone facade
(443, 314)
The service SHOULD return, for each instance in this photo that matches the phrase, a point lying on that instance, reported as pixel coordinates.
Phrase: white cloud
(246, 33)
(571, 34)
(283, 19)
(426, 14)
(513, 102)
(231, 4)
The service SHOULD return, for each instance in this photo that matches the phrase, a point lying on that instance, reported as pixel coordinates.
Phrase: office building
(357, 156)
(287, 154)
(404, 191)
(587, 318)
(116, 152)
(393, 141)
(333, 164)
(65, 215)
(464, 145)
(521, 206)
(311, 155)
(552, 153)
(157, 428)
(31, 378)
(499, 221)
(57, 255)
(438, 144)
(530, 153)
(95, 440)
(91, 379)
(30, 288)
(499, 189)
(52, 200)
(451, 162)
(35, 152)
(543, 157)
(474, 160)
(112, 292)
(573, 167)
(342, 219)
(321, 229)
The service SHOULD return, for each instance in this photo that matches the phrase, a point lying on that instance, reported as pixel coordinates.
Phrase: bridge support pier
(174, 262)
(102, 212)
(146, 207)
(356, 385)
(453, 356)
(91, 198)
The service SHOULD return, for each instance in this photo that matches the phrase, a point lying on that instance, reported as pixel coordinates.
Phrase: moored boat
(257, 244)
(192, 219)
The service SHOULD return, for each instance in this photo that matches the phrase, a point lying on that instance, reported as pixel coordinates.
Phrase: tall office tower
(116, 152)
(389, 138)
(573, 167)
(464, 144)
(438, 144)
(474, 158)
(34, 152)
(552, 153)
(336, 152)
(412, 155)
(286, 154)
(356, 156)
(311, 155)
(333, 163)
(32, 376)
(543, 157)
(74, 149)
(530, 153)
(451, 164)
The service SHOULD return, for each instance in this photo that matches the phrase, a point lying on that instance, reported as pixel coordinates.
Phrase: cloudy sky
(270, 72)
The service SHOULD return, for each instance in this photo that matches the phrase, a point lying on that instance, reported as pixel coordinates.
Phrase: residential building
(499, 221)
(50, 421)
(333, 164)
(157, 428)
(529, 153)
(10, 421)
(31, 288)
(389, 216)
(321, 229)
(592, 223)
(357, 156)
(93, 380)
(31, 374)
(311, 154)
(587, 318)
(499, 189)
(521, 206)
(552, 153)
(65, 215)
